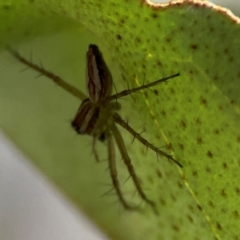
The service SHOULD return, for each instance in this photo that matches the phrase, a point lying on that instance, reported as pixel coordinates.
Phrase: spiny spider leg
(136, 135)
(56, 79)
(94, 149)
(133, 90)
(127, 161)
(113, 170)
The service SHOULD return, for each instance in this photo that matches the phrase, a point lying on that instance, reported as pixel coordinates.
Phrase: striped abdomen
(86, 118)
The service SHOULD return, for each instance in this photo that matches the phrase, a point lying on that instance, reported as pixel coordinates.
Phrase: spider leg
(113, 170)
(136, 135)
(94, 149)
(127, 161)
(56, 79)
(133, 90)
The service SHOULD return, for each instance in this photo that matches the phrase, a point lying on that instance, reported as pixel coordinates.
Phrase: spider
(97, 116)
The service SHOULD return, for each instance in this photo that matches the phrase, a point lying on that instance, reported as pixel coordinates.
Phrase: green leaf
(198, 113)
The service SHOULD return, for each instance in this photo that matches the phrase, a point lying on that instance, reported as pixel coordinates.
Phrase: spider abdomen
(86, 118)
(92, 119)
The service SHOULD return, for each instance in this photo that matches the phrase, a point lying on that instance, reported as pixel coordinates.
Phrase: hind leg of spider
(94, 149)
(56, 79)
(113, 171)
(125, 125)
(127, 161)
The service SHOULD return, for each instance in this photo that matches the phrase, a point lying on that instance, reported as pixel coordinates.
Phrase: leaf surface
(198, 113)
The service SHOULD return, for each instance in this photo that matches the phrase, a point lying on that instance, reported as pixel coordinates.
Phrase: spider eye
(98, 76)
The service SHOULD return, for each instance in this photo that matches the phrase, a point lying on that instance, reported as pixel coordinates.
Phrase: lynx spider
(97, 115)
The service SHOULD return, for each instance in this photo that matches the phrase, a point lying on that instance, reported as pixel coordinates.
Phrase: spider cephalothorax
(97, 116)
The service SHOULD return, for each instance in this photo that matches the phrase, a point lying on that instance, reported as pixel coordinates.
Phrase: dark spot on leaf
(154, 15)
(119, 37)
(6, 7)
(152, 117)
(162, 201)
(175, 228)
(172, 90)
(218, 225)
(203, 101)
(211, 29)
(138, 40)
(194, 173)
(194, 46)
(159, 174)
(236, 214)
(181, 146)
(173, 198)
(180, 184)
(163, 113)
(237, 190)
(145, 94)
(210, 203)
(198, 121)
(238, 138)
(146, 19)
(199, 207)
(168, 40)
(157, 136)
(225, 166)
(216, 131)
(181, 28)
(122, 21)
(169, 147)
(199, 141)
(190, 218)
(208, 169)
(223, 193)
(215, 77)
(223, 210)
(226, 50)
(209, 154)
(150, 179)
(190, 208)
(183, 124)
(159, 63)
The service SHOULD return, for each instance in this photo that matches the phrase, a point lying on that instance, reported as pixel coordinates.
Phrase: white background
(30, 208)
